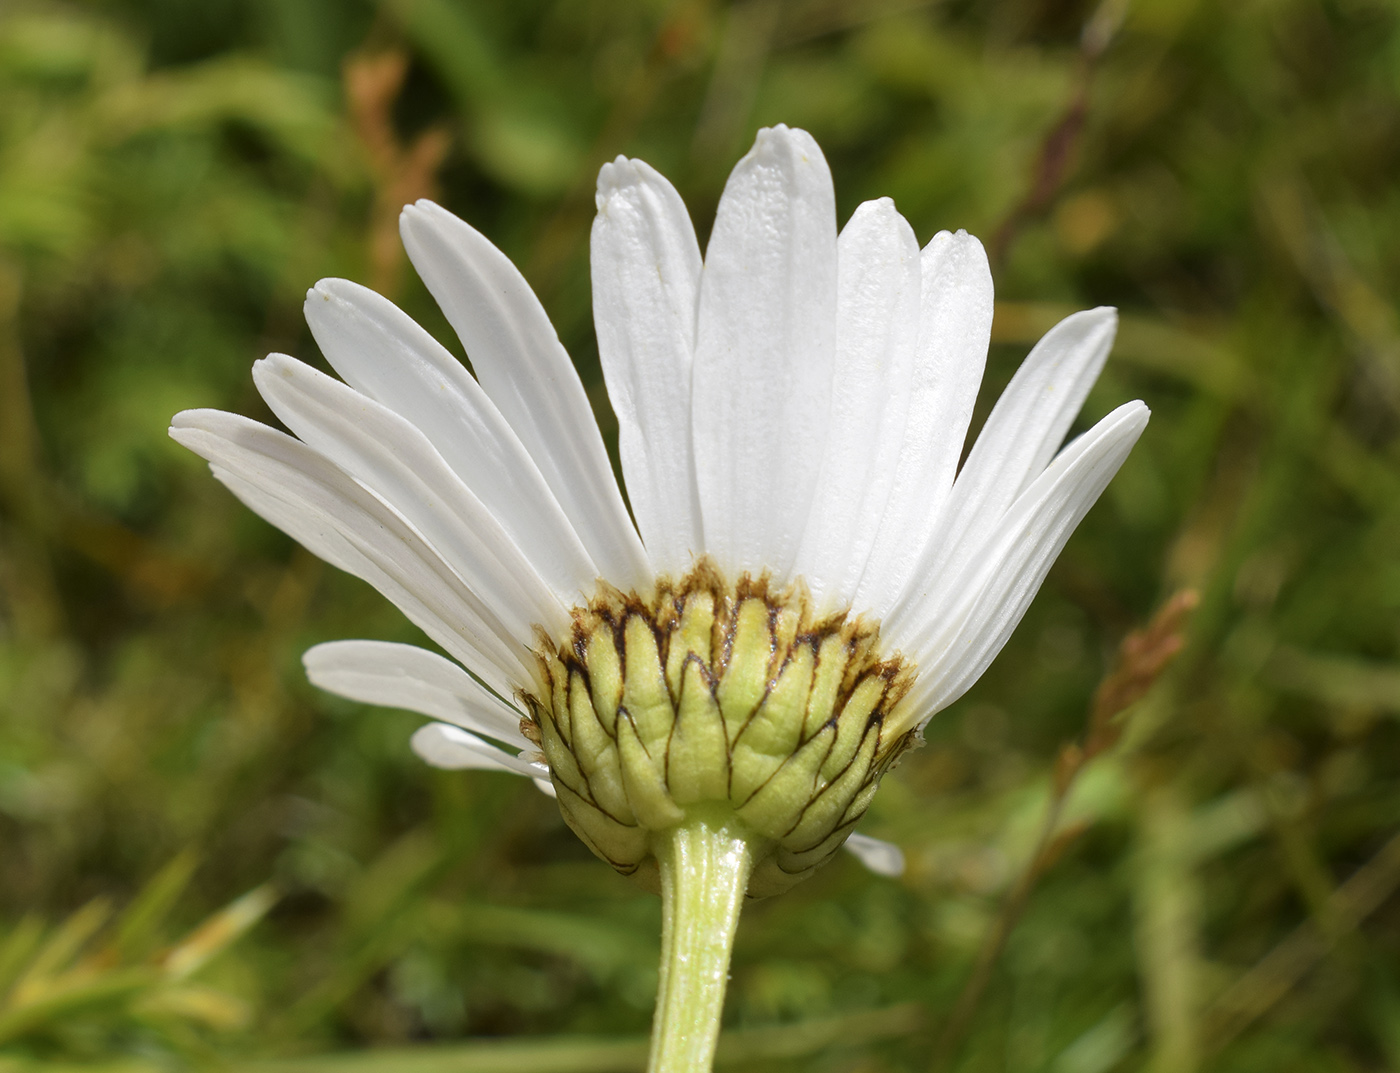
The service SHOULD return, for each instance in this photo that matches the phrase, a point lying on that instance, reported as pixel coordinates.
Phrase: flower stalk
(705, 864)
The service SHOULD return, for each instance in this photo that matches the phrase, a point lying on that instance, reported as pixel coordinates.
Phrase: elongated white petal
(646, 279)
(955, 323)
(313, 530)
(882, 858)
(1029, 421)
(447, 746)
(382, 353)
(955, 637)
(286, 481)
(394, 460)
(1023, 431)
(309, 527)
(764, 353)
(1027, 426)
(877, 322)
(525, 371)
(405, 676)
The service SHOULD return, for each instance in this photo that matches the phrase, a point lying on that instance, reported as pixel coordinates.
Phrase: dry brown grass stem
(1142, 657)
(402, 173)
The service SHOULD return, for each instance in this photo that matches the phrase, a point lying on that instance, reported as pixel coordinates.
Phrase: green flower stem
(705, 863)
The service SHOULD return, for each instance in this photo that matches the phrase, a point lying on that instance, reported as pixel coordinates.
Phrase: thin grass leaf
(217, 933)
(55, 955)
(139, 924)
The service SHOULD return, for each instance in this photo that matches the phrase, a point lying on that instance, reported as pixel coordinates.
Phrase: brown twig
(1142, 657)
(401, 173)
(1060, 146)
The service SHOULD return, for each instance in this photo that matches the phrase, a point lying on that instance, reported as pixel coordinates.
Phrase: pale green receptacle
(718, 695)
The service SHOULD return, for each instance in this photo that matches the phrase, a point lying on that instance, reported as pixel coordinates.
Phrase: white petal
(313, 530)
(1023, 431)
(544, 786)
(646, 279)
(1026, 428)
(445, 746)
(955, 323)
(525, 371)
(1029, 421)
(394, 460)
(955, 637)
(882, 858)
(405, 676)
(877, 323)
(297, 489)
(764, 352)
(382, 353)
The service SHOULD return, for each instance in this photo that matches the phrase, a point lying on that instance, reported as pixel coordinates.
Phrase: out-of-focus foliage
(1219, 891)
(66, 995)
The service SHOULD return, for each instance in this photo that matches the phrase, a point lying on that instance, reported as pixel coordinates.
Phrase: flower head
(810, 577)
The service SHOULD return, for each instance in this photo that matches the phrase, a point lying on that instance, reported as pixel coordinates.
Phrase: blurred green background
(204, 863)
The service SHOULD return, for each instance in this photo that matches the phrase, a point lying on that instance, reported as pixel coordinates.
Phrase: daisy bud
(726, 698)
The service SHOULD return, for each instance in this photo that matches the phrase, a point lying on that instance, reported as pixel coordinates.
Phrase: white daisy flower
(810, 576)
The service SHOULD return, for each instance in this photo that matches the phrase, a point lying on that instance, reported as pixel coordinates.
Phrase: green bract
(712, 693)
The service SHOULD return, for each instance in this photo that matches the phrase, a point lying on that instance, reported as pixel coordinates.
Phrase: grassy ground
(205, 863)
